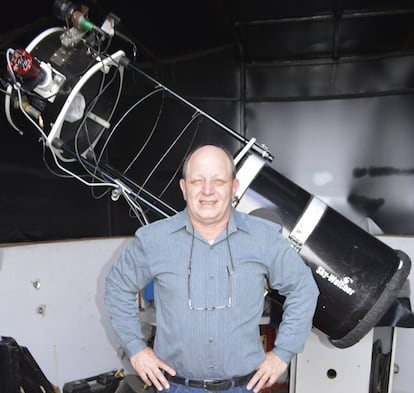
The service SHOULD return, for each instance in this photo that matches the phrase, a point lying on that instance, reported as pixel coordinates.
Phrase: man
(209, 264)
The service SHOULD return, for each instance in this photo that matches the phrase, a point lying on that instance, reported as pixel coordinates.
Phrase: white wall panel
(72, 339)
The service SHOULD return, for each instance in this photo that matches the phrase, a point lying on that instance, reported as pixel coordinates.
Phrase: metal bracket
(251, 166)
(307, 223)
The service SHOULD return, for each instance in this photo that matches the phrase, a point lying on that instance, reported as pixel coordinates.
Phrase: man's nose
(208, 187)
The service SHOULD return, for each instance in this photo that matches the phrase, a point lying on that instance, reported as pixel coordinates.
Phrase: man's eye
(219, 182)
(196, 182)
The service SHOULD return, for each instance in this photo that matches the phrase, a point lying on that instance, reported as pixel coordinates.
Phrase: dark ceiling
(264, 31)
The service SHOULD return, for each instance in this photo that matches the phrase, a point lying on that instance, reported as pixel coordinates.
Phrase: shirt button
(210, 339)
(211, 277)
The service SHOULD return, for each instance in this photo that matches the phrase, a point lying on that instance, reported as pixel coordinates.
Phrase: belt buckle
(212, 385)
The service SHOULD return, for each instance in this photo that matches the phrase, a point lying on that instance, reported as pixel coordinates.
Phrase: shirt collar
(237, 222)
(182, 220)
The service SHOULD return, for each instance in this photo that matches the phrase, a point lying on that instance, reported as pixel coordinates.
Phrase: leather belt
(214, 385)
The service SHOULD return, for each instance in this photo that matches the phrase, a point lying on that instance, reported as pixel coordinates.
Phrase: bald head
(210, 149)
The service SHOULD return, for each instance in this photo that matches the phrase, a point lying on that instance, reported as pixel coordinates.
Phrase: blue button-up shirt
(223, 342)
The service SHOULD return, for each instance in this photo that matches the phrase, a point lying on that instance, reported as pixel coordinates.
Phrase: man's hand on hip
(267, 372)
(148, 366)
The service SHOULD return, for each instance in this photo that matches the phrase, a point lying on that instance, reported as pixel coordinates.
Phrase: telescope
(66, 86)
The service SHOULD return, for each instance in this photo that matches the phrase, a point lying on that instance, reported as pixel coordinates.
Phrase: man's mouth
(207, 202)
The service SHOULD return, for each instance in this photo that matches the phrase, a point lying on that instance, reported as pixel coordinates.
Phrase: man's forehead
(211, 168)
(215, 156)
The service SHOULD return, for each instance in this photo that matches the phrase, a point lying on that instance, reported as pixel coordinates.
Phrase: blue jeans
(176, 388)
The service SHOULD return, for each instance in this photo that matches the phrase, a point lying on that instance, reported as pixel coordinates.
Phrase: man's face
(208, 187)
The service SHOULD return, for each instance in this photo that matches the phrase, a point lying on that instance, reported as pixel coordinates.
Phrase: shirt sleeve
(126, 277)
(293, 279)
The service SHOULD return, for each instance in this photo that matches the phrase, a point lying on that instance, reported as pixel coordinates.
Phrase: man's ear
(236, 185)
(182, 186)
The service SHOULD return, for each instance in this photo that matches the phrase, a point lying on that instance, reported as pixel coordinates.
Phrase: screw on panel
(36, 284)
(41, 309)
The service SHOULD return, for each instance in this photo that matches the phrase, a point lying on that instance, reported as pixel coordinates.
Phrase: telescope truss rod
(121, 183)
(260, 149)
